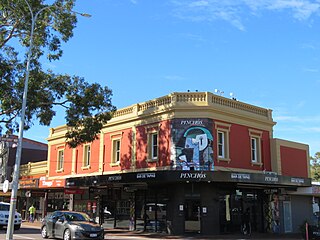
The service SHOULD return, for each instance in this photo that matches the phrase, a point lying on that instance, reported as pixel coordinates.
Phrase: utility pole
(4, 152)
(16, 171)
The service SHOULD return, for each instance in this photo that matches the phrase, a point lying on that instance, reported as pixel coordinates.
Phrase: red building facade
(185, 162)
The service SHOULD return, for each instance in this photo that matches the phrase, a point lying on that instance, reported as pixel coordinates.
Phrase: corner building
(190, 162)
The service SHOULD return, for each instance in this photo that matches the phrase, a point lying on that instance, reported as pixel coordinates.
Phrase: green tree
(87, 105)
(315, 166)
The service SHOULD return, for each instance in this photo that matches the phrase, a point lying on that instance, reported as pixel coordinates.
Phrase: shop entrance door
(192, 214)
(287, 216)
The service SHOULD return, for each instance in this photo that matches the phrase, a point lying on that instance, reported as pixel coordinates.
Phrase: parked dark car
(70, 225)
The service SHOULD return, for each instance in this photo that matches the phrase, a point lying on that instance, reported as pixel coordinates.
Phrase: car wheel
(67, 235)
(44, 233)
(17, 227)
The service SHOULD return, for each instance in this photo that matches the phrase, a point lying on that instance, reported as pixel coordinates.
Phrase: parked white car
(4, 216)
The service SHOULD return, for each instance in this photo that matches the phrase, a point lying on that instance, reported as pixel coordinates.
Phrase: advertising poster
(192, 140)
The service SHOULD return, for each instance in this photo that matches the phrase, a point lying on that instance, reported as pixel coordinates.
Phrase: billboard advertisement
(192, 142)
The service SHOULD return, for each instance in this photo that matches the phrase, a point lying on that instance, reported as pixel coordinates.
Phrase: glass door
(287, 216)
(192, 216)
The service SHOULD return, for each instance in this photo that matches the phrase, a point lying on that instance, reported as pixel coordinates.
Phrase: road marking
(22, 237)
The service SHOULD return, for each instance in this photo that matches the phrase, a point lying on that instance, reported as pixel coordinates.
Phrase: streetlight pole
(16, 171)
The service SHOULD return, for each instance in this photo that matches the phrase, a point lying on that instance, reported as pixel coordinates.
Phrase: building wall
(124, 135)
(293, 161)
(290, 158)
(132, 125)
(302, 210)
(240, 149)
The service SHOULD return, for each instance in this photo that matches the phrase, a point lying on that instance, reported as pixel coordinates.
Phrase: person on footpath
(32, 212)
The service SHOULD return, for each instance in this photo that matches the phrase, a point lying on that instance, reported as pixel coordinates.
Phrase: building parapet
(33, 168)
(197, 99)
(181, 100)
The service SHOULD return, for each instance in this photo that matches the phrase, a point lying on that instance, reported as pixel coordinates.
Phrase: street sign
(10, 185)
(6, 139)
(5, 186)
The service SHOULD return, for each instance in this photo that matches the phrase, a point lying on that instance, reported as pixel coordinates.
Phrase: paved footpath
(119, 234)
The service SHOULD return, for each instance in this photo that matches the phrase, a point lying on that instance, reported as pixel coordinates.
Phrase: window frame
(254, 150)
(151, 131)
(224, 130)
(116, 151)
(255, 137)
(153, 152)
(221, 144)
(60, 160)
(86, 156)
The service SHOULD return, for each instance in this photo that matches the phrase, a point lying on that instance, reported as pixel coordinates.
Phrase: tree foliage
(88, 106)
(315, 166)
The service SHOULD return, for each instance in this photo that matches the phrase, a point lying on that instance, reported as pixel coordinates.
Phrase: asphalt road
(32, 232)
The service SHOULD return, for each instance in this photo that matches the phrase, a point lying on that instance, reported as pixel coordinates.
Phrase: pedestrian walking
(32, 212)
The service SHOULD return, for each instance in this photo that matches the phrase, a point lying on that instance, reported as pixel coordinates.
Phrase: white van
(4, 216)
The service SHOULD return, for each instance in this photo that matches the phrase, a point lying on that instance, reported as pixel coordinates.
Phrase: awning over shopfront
(170, 176)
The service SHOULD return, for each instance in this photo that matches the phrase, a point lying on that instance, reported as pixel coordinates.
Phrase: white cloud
(315, 70)
(199, 4)
(232, 10)
(194, 37)
(134, 1)
(308, 46)
(297, 119)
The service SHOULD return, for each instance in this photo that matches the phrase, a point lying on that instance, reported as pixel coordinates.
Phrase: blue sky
(266, 52)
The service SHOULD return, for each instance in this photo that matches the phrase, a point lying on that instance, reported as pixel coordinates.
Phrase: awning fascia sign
(29, 183)
(189, 176)
(52, 183)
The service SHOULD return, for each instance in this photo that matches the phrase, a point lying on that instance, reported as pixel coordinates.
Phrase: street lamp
(16, 171)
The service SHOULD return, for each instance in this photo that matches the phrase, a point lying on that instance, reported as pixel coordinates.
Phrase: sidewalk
(151, 235)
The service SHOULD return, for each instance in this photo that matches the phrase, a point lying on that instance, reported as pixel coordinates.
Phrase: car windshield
(70, 216)
(4, 207)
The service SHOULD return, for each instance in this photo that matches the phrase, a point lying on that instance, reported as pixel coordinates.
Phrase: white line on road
(22, 237)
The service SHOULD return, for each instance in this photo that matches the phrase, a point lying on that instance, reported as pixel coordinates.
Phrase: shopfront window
(57, 201)
(86, 206)
(234, 204)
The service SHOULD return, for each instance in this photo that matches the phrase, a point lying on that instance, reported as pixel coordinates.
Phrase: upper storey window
(116, 148)
(154, 145)
(255, 145)
(153, 142)
(116, 144)
(86, 156)
(60, 162)
(223, 131)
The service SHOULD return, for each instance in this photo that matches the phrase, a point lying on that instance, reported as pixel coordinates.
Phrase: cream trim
(115, 135)
(134, 147)
(101, 152)
(254, 132)
(150, 146)
(74, 160)
(225, 129)
(86, 167)
(222, 125)
(85, 155)
(113, 140)
(228, 160)
(58, 159)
